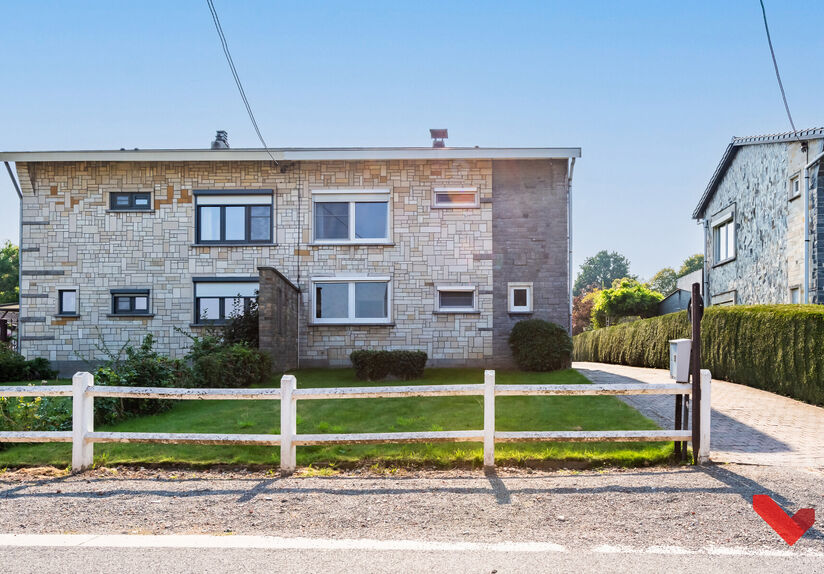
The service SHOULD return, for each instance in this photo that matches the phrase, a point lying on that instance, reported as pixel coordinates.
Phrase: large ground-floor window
(343, 300)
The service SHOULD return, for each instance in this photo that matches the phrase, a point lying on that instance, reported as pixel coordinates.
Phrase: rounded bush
(539, 345)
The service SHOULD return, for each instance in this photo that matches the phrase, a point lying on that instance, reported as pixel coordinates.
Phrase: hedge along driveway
(777, 348)
(379, 415)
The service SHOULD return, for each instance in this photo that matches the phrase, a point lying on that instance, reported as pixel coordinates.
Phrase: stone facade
(72, 240)
(769, 227)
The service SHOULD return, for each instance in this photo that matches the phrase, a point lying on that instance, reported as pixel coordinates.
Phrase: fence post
(288, 424)
(489, 418)
(82, 421)
(706, 413)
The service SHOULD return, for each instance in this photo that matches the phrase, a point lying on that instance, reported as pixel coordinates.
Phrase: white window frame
(463, 205)
(795, 290)
(511, 288)
(463, 288)
(351, 281)
(352, 196)
(795, 179)
(724, 219)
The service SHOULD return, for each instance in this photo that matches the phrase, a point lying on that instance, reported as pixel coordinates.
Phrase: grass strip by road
(379, 415)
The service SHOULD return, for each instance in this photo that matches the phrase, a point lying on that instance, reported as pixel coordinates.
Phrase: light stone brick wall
(70, 239)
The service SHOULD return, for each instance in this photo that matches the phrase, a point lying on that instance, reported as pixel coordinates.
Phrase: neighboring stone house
(439, 249)
(763, 217)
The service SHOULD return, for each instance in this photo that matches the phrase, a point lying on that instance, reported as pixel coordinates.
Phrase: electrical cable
(777, 74)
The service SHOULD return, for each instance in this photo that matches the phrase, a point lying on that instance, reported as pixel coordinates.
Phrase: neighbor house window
(455, 197)
(243, 217)
(67, 302)
(121, 201)
(723, 236)
(347, 300)
(218, 299)
(456, 299)
(130, 301)
(519, 297)
(795, 186)
(350, 216)
(795, 295)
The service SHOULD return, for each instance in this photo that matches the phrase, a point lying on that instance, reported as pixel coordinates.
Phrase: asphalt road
(515, 520)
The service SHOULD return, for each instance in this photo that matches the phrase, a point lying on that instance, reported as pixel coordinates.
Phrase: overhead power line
(775, 65)
(235, 75)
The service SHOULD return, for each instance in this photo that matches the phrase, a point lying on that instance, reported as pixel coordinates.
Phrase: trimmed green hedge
(778, 348)
(372, 365)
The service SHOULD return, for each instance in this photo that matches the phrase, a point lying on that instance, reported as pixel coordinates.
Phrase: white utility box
(680, 359)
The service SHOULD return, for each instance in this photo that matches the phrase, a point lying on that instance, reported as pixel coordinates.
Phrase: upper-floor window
(233, 218)
(130, 301)
(123, 201)
(219, 299)
(455, 197)
(456, 299)
(350, 216)
(795, 186)
(344, 300)
(723, 236)
(67, 302)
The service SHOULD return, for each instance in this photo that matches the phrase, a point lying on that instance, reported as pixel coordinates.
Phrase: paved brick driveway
(749, 426)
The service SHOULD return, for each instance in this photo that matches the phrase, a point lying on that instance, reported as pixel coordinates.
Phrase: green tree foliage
(626, 298)
(691, 263)
(664, 281)
(582, 309)
(9, 273)
(601, 269)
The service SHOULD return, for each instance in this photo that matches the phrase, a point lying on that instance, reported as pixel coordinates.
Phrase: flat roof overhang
(294, 154)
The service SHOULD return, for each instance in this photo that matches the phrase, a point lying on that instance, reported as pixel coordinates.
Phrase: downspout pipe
(815, 160)
(569, 238)
(19, 260)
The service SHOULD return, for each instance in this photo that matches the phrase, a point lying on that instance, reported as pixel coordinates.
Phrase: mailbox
(680, 359)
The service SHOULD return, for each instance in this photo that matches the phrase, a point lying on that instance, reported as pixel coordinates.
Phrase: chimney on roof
(221, 140)
(438, 136)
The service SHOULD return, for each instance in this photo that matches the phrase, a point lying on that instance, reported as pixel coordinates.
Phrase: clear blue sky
(652, 91)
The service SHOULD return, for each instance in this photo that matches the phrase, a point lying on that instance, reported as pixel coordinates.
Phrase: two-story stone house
(763, 217)
(439, 249)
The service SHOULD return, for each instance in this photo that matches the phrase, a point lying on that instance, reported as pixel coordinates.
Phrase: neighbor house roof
(295, 154)
(732, 150)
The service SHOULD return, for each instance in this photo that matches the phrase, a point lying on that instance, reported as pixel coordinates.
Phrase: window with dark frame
(216, 302)
(456, 299)
(67, 302)
(130, 302)
(234, 224)
(129, 201)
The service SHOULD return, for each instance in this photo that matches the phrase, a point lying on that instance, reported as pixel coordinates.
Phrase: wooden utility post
(696, 313)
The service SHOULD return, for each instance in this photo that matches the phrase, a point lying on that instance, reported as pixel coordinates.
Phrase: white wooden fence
(83, 437)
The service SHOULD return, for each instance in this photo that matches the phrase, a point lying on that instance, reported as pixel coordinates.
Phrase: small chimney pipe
(221, 140)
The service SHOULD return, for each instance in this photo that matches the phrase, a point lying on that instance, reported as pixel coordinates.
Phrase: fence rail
(83, 437)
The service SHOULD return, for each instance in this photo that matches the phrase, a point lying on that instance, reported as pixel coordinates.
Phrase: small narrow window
(795, 295)
(795, 186)
(123, 201)
(67, 302)
(455, 197)
(723, 237)
(520, 297)
(456, 299)
(128, 302)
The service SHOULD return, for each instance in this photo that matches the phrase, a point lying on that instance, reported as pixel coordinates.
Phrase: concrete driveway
(749, 426)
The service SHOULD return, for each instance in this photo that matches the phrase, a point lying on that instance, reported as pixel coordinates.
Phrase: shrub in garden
(243, 325)
(626, 298)
(215, 364)
(371, 365)
(142, 367)
(539, 345)
(14, 367)
(34, 414)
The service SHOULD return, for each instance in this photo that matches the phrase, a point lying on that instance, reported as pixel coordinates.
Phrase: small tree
(243, 325)
(582, 309)
(601, 269)
(626, 298)
(9, 273)
(691, 263)
(664, 281)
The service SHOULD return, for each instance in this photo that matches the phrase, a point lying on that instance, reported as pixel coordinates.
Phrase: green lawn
(379, 415)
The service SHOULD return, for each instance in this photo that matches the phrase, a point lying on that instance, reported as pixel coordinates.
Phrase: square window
(141, 303)
(67, 302)
(371, 300)
(332, 300)
(208, 309)
(124, 304)
(519, 297)
(370, 220)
